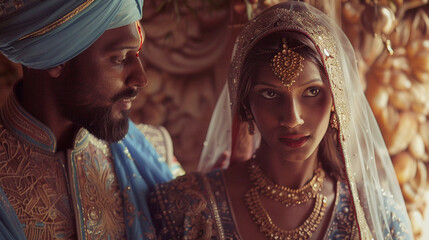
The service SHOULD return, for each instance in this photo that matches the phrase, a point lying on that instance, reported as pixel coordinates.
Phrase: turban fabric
(42, 34)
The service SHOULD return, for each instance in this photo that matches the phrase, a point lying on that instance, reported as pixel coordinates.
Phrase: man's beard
(101, 124)
(98, 121)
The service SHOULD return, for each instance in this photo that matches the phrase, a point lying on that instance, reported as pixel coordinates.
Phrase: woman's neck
(286, 172)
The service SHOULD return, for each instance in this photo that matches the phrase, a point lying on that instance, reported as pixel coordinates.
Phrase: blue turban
(42, 34)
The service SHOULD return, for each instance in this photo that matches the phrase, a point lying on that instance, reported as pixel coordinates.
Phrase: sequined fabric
(100, 195)
(196, 206)
(161, 141)
(73, 194)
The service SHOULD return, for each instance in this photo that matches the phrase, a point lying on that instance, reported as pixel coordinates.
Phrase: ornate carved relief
(186, 56)
(394, 61)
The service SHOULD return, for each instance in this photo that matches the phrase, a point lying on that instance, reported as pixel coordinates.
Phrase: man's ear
(56, 72)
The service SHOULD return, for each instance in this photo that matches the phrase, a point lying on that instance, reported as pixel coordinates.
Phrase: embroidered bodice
(196, 206)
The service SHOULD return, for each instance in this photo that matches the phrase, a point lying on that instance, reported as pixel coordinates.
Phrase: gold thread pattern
(182, 210)
(160, 139)
(59, 195)
(35, 185)
(333, 120)
(194, 206)
(60, 21)
(101, 197)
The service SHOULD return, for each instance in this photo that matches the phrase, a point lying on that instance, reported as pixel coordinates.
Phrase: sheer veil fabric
(365, 159)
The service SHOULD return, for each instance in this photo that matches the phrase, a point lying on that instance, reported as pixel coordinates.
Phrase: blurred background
(187, 51)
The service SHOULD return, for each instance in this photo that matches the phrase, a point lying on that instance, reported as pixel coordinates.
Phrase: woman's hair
(262, 54)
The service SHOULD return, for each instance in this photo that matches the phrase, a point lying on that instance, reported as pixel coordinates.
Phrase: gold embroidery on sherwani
(59, 195)
(100, 193)
(35, 184)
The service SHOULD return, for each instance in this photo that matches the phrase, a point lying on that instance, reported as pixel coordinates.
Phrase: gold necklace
(286, 196)
(261, 217)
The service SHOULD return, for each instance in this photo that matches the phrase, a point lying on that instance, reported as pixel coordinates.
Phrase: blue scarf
(10, 227)
(138, 170)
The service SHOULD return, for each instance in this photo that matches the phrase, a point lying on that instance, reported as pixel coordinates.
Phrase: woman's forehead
(265, 75)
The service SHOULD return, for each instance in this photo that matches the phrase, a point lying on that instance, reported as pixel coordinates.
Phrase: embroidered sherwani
(74, 194)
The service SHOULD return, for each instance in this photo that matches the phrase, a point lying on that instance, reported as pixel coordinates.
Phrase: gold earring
(250, 125)
(333, 120)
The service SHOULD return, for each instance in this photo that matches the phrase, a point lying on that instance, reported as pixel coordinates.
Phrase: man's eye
(312, 92)
(118, 61)
(269, 94)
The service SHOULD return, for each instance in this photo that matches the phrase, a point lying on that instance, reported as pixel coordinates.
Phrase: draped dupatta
(138, 170)
(364, 157)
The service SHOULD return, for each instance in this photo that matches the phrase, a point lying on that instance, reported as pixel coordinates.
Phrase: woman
(320, 169)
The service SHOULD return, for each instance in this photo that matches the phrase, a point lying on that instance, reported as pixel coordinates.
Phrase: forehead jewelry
(287, 65)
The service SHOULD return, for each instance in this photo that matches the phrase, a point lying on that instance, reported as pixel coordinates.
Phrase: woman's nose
(291, 116)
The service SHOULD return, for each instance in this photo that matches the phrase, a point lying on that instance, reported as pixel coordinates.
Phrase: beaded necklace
(288, 197)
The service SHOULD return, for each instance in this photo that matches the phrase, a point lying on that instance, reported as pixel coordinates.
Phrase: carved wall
(187, 51)
(392, 43)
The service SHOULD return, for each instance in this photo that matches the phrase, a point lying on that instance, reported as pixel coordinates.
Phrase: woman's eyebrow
(314, 80)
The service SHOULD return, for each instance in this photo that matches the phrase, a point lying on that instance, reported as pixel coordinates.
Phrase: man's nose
(137, 77)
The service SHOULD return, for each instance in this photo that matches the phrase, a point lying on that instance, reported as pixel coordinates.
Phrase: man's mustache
(128, 93)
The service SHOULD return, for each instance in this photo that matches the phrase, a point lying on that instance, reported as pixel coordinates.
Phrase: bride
(318, 167)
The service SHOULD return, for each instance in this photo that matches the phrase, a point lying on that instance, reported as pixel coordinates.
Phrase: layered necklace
(288, 197)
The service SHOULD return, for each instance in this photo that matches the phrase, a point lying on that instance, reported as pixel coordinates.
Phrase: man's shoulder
(160, 139)
(157, 136)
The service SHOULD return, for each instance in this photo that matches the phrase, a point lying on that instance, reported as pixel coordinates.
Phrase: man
(72, 165)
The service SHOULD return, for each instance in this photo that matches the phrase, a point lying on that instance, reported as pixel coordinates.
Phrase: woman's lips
(294, 141)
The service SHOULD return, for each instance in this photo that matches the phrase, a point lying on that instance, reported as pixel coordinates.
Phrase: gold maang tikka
(287, 65)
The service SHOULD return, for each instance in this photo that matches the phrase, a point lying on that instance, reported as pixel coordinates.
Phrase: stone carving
(393, 53)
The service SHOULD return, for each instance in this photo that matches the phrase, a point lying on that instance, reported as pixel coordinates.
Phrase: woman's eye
(312, 92)
(269, 94)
